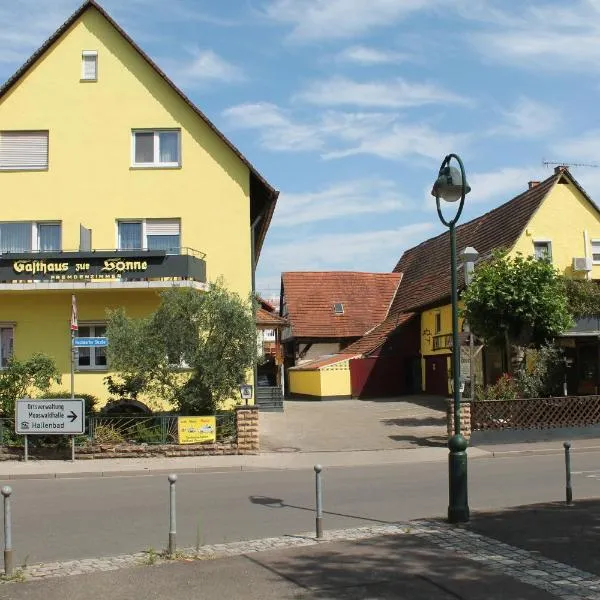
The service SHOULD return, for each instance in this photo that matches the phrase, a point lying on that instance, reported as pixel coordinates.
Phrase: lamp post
(451, 185)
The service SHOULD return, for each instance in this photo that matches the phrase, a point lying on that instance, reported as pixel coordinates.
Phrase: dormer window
(89, 65)
(338, 308)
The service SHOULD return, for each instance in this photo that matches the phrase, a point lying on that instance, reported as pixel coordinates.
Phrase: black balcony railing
(123, 265)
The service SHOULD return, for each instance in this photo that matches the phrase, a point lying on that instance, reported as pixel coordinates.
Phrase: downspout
(586, 245)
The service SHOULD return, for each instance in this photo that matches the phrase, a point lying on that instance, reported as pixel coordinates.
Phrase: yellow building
(554, 218)
(115, 186)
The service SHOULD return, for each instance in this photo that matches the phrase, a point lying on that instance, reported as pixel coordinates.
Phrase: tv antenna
(552, 163)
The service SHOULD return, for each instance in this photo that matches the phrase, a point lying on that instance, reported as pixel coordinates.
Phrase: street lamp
(451, 185)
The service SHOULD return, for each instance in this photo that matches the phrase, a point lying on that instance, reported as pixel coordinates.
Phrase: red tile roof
(265, 317)
(310, 296)
(263, 196)
(426, 268)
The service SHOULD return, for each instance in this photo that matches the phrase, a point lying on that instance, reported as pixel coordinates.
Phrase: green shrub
(107, 434)
(24, 379)
(146, 433)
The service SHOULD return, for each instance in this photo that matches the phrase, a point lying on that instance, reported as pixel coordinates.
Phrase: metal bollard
(569, 488)
(8, 553)
(319, 494)
(172, 513)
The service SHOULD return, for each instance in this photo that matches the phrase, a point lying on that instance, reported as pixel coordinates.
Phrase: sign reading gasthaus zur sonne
(56, 416)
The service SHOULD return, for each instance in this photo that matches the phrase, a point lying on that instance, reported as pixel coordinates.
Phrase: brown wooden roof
(263, 196)
(378, 335)
(309, 297)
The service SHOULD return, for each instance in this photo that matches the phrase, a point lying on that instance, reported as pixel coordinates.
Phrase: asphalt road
(59, 519)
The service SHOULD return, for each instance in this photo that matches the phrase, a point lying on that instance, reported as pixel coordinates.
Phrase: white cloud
(366, 56)
(376, 250)
(581, 149)
(276, 130)
(206, 66)
(547, 37)
(502, 184)
(340, 134)
(528, 118)
(402, 140)
(394, 93)
(336, 19)
(350, 198)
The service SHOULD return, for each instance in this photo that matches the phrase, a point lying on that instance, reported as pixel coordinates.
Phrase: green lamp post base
(458, 508)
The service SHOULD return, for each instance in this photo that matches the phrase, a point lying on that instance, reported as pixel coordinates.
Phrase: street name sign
(44, 417)
(86, 342)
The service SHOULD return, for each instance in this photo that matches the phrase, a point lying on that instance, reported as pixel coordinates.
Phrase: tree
(193, 351)
(24, 378)
(519, 301)
(584, 297)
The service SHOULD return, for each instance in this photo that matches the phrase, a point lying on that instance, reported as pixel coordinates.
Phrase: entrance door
(436, 375)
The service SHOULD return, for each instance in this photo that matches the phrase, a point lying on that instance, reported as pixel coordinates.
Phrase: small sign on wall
(196, 430)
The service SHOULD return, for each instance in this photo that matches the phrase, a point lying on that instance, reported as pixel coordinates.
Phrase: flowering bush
(506, 388)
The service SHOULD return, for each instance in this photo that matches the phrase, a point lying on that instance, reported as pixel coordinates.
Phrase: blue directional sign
(93, 342)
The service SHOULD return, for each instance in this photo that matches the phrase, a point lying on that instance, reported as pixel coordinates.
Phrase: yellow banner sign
(196, 430)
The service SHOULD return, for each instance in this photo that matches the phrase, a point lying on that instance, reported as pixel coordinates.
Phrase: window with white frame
(28, 236)
(542, 249)
(596, 251)
(150, 234)
(7, 336)
(156, 148)
(92, 357)
(89, 65)
(23, 150)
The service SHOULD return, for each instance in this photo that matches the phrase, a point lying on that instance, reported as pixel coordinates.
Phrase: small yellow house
(115, 186)
(554, 218)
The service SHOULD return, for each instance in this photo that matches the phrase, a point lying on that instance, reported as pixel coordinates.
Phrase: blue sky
(349, 106)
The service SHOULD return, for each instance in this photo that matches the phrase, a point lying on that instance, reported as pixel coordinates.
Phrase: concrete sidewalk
(398, 567)
(107, 467)
(46, 469)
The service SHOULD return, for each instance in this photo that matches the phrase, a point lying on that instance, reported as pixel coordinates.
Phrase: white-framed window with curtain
(23, 150)
(7, 338)
(542, 249)
(91, 357)
(28, 236)
(150, 234)
(156, 148)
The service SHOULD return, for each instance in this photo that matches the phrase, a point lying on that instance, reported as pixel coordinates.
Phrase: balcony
(102, 269)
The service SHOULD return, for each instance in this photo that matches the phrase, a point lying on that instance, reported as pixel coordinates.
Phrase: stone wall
(247, 442)
(465, 418)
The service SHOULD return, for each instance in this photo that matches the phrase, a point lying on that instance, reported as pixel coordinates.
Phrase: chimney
(560, 169)
(532, 184)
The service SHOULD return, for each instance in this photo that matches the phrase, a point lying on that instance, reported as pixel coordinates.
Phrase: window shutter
(162, 227)
(89, 66)
(23, 150)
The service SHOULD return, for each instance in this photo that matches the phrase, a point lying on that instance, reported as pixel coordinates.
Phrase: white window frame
(86, 54)
(35, 239)
(10, 326)
(92, 366)
(144, 230)
(156, 164)
(543, 241)
(592, 242)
